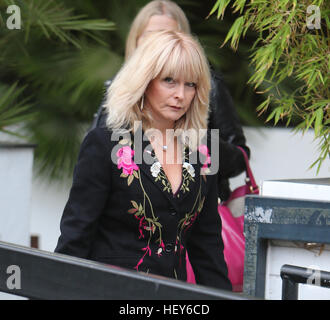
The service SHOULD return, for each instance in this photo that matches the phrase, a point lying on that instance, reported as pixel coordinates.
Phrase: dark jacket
(223, 116)
(127, 215)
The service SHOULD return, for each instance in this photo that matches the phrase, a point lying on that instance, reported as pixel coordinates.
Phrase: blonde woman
(160, 15)
(145, 214)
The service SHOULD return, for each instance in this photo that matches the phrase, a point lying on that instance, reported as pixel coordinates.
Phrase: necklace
(169, 153)
(164, 147)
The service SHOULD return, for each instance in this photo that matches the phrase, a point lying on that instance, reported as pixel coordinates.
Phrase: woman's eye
(191, 84)
(169, 80)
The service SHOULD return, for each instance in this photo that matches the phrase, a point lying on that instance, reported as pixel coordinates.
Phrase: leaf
(157, 224)
(318, 121)
(272, 115)
(220, 5)
(136, 174)
(150, 220)
(264, 105)
(215, 7)
(235, 32)
(239, 4)
(312, 79)
(124, 141)
(134, 204)
(320, 76)
(130, 180)
(310, 121)
(278, 114)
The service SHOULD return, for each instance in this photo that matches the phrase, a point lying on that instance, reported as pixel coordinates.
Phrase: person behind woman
(146, 213)
(160, 15)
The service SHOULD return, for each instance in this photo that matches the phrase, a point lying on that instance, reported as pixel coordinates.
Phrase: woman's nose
(179, 92)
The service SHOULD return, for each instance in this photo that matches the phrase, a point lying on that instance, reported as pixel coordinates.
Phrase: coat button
(169, 248)
(172, 211)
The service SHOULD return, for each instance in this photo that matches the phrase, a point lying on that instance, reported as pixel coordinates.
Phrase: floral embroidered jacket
(123, 212)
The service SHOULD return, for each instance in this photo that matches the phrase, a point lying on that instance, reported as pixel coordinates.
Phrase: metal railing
(37, 274)
(292, 276)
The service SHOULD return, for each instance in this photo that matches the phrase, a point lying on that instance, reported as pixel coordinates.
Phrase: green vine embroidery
(189, 218)
(188, 174)
(149, 224)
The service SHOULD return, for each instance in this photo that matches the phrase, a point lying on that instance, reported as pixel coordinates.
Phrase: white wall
(15, 196)
(48, 201)
(277, 153)
(15, 193)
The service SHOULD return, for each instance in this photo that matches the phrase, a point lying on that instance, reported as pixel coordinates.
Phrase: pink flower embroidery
(147, 250)
(161, 248)
(125, 162)
(142, 226)
(205, 151)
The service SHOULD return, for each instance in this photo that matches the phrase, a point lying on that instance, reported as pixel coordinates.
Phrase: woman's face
(169, 99)
(158, 23)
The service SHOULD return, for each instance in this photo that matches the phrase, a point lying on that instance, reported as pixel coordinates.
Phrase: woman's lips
(175, 108)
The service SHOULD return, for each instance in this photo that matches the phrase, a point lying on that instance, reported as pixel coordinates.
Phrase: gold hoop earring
(142, 103)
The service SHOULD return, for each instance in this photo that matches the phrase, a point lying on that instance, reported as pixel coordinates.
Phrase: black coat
(223, 116)
(129, 217)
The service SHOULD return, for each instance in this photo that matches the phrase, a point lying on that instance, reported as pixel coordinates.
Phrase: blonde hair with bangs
(166, 53)
(153, 8)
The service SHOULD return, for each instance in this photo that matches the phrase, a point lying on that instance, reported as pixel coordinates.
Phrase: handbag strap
(250, 178)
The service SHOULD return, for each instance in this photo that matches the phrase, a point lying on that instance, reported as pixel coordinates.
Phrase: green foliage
(286, 50)
(51, 77)
(233, 66)
(12, 109)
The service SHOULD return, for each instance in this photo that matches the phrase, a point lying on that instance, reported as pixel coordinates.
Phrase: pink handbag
(232, 216)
